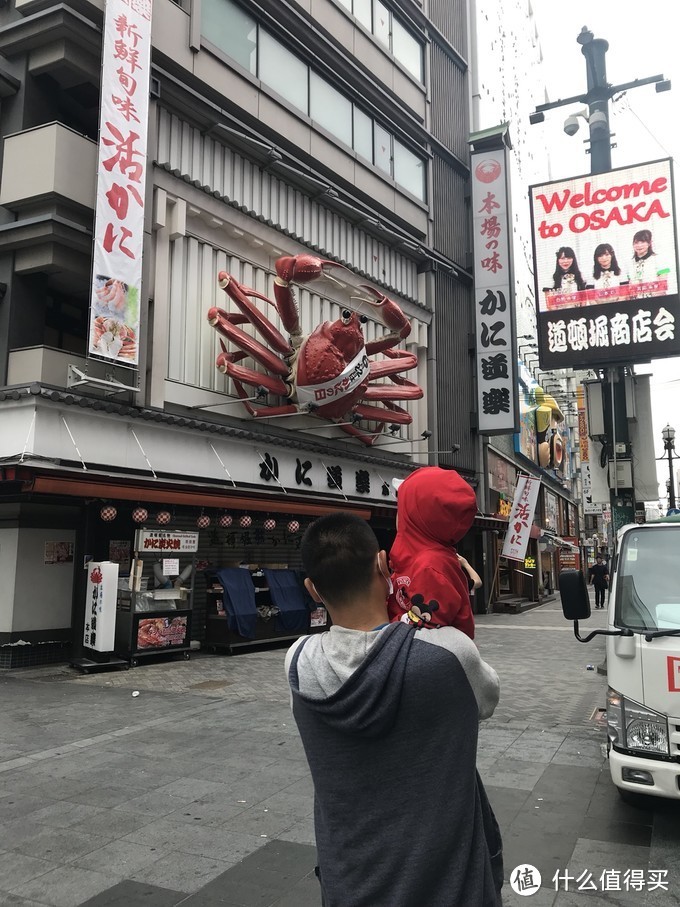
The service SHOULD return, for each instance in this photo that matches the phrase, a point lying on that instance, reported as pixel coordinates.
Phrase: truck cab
(643, 655)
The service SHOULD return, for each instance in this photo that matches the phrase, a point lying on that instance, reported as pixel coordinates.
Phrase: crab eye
(346, 316)
(363, 319)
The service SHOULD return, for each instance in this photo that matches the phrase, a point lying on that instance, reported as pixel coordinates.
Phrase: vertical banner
(121, 179)
(584, 445)
(100, 606)
(494, 301)
(521, 518)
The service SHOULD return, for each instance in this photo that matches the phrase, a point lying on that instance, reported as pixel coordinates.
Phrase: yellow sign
(530, 563)
(504, 507)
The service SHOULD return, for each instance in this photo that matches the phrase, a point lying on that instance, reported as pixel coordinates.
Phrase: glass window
(363, 134)
(362, 10)
(226, 26)
(381, 23)
(284, 72)
(409, 170)
(382, 155)
(407, 50)
(330, 109)
(347, 4)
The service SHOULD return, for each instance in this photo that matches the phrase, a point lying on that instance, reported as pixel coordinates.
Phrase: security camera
(571, 125)
(598, 123)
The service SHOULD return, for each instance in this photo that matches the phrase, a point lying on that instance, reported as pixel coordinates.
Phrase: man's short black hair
(339, 553)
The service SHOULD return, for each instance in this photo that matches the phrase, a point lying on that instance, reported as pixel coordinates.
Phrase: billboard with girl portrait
(606, 270)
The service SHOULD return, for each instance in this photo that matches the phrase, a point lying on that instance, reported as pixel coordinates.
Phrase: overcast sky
(643, 41)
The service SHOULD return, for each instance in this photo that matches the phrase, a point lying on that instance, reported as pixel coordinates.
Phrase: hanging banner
(584, 445)
(121, 179)
(494, 301)
(605, 265)
(100, 606)
(521, 518)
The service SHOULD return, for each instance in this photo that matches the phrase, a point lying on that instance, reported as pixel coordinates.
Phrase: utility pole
(597, 97)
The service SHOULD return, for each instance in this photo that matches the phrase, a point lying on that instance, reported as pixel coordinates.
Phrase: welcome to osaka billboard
(605, 265)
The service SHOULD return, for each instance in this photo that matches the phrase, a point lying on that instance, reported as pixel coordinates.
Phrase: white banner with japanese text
(494, 307)
(521, 518)
(121, 178)
(100, 606)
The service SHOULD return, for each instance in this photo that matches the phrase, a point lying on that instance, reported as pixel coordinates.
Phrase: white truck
(643, 655)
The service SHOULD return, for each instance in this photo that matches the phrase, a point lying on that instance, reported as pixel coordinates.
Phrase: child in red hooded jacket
(435, 509)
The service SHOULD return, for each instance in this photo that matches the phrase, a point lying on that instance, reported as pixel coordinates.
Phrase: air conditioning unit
(623, 478)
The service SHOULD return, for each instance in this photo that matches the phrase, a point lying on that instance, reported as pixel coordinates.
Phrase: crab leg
(403, 362)
(223, 322)
(388, 392)
(296, 269)
(377, 414)
(260, 322)
(391, 316)
(226, 363)
(262, 410)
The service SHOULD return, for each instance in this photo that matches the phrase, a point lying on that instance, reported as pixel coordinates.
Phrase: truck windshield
(647, 587)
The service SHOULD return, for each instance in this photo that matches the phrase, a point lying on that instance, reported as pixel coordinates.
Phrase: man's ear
(382, 561)
(311, 588)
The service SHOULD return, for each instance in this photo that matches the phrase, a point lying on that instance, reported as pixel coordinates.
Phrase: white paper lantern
(269, 524)
(245, 522)
(140, 514)
(225, 520)
(163, 517)
(293, 526)
(203, 521)
(108, 513)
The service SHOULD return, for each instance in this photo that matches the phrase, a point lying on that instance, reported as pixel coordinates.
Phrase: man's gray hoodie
(389, 721)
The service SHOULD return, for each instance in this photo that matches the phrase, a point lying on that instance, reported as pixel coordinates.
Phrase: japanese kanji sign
(163, 541)
(494, 304)
(100, 606)
(606, 270)
(121, 178)
(521, 518)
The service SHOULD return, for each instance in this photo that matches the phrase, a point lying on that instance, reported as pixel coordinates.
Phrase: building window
(230, 29)
(283, 71)
(330, 109)
(390, 32)
(238, 35)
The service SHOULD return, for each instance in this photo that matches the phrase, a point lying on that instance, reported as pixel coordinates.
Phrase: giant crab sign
(327, 373)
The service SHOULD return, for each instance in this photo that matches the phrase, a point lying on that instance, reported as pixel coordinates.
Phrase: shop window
(232, 30)
(284, 72)
(330, 109)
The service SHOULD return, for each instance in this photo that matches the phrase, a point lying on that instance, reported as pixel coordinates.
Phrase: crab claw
(213, 315)
(302, 268)
(390, 313)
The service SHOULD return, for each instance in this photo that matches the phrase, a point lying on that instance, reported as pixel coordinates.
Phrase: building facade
(334, 129)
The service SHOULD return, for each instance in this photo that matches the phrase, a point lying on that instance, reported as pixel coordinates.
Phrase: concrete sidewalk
(196, 791)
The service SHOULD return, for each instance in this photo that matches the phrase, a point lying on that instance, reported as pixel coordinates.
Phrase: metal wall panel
(454, 370)
(451, 227)
(193, 155)
(450, 17)
(449, 108)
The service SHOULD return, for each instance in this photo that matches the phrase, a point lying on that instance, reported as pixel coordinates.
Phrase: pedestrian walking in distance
(388, 714)
(599, 577)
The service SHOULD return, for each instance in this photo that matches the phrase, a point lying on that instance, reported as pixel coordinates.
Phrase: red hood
(434, 505)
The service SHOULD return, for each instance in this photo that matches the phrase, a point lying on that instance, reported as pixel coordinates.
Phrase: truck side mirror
(574, 594)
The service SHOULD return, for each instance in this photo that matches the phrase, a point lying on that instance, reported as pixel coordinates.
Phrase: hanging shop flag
(584, 444)
(494, 301)
(121, 178)
(521, 518)
(100, 606)
(605, 267)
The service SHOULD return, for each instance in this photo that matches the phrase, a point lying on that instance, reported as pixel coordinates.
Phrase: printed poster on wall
(605, 265)
(521, 517)
(494, 302)
(121, 179)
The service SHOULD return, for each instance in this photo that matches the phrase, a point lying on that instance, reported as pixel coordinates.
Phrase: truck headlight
(634, 727)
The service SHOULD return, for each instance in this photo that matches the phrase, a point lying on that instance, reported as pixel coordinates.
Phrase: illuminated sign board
(606, 270)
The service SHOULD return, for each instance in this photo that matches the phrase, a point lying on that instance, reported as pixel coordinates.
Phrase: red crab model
(328, 372)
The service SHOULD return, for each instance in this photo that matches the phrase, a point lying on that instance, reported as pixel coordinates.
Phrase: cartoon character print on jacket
(419, 614)
(435, 509)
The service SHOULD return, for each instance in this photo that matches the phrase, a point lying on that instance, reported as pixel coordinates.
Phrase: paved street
(196, 791)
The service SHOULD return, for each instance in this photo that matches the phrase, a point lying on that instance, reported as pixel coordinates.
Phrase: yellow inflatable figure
(549, 441)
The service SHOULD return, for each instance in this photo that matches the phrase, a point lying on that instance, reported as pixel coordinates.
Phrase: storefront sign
(605, 265)
(529, 563)
(521, 518)
(494, 294)
(100, 606)
(584, 444)
(121, 178)
(160, 540)
(162, 632)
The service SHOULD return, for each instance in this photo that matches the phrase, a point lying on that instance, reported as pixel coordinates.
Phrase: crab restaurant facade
(165, 163)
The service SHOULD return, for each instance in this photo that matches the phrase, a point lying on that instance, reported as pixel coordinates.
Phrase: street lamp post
(668, 435)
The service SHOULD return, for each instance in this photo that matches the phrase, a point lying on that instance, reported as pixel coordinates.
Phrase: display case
(258, 606)
(154, 612)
